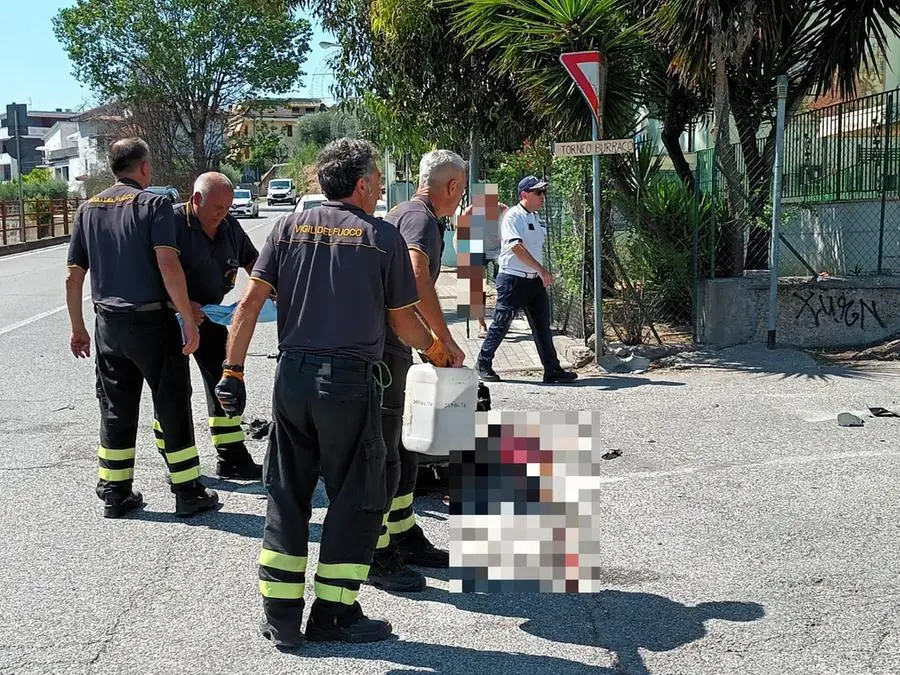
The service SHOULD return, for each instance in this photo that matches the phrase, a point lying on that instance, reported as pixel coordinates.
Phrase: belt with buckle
(517, 273)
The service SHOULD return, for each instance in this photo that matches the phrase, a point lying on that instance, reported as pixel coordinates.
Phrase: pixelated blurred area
(477, 226)
(521, 516)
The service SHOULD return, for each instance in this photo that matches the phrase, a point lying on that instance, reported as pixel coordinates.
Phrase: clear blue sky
(40, 73)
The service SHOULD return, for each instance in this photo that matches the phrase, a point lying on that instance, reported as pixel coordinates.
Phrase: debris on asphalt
(883, 412)
(259, 428)
(846, 419)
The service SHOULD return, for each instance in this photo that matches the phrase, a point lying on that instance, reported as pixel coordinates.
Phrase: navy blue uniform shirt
(211, 265)
(337, 271)
(424, 232)
(115, 237)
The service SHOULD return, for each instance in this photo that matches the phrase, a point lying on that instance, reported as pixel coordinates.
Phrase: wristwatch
(232, 366)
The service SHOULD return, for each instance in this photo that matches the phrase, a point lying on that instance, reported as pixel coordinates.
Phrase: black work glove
(232, 394)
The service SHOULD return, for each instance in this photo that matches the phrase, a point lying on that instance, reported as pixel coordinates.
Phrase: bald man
(213, 246)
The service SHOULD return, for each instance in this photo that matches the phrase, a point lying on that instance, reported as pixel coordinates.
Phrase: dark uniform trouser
(400, 517)
(132, 347)
(515, 293)
(227, 433)
(324, 417)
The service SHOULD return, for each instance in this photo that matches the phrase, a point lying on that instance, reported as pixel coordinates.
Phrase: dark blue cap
(530, 183)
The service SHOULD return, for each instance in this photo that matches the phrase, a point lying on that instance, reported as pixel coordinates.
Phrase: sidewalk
(517, 352)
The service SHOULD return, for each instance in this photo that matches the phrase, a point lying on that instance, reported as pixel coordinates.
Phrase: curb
(9, 249)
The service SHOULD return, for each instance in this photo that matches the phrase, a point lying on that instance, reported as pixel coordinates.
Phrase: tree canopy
(189, 60)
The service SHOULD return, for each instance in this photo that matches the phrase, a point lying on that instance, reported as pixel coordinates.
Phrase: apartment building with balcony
(19, 157)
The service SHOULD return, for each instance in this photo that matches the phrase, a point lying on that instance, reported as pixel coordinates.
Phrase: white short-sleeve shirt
(519, 225)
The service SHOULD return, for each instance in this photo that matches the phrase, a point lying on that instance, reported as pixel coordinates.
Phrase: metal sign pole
(599, 347)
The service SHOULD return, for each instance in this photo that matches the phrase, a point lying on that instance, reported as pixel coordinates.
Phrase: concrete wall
(841, 238)
(828, 313)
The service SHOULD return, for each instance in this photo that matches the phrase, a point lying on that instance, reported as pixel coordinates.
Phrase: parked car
(244, 204)
(167, 190)
(308, 202)
(281, 191)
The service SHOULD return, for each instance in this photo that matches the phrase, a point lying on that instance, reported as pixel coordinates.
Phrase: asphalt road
(743, 530)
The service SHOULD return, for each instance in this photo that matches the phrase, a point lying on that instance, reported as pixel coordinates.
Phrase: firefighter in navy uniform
(337, 271)
(442, 180)
(213, 246)
(125, 236)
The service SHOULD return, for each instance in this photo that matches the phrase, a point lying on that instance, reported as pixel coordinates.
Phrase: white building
(76, 148)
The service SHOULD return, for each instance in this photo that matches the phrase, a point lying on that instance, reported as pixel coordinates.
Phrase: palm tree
(527, 38)
(747, 44)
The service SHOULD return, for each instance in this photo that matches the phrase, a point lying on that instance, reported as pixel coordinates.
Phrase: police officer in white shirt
(522, 283)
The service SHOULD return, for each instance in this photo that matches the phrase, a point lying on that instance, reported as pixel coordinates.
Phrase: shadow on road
(622, 623)
(782, 362)
(603, 383)
(241, 524)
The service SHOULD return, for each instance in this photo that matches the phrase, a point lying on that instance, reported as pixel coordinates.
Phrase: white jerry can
(439, 410)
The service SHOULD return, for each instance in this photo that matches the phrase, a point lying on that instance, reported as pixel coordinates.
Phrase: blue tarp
(223, 314)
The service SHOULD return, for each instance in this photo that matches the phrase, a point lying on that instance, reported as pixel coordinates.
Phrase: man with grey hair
(442, 180)
(213, 246)
(338, 270)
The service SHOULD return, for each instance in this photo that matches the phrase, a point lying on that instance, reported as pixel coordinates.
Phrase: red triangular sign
(588, 70)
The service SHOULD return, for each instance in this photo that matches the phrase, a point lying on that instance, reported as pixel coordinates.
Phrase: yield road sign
(588, 70)
(621, 146)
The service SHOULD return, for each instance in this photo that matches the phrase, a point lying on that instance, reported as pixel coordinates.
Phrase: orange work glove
(437, 354)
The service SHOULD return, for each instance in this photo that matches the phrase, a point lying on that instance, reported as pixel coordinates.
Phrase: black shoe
(241, 469)
(486, 373)
(282, 639)
(117, 505)
(353, 627)
(195, 500)
(415, 549)
(389, 573)
(559, 376)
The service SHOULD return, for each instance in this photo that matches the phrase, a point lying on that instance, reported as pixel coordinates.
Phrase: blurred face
(215, 208)
(534, 199)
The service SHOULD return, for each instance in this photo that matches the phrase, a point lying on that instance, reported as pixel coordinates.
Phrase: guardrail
(43, 219)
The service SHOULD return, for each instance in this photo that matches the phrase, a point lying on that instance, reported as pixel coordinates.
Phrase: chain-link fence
(662, 237)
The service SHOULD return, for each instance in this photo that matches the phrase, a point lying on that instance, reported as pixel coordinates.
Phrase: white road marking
(62, 308)
(37, 317)
(48, 249)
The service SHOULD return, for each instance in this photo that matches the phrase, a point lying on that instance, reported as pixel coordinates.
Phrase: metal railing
(43, 219)
(61, 153)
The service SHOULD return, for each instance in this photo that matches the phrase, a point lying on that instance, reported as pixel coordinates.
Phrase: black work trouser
(227, 434)
(515, 293)
(324, 418)
(132, 347)
(399, 519)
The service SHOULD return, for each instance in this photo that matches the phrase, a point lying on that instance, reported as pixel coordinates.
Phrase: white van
(281, 191)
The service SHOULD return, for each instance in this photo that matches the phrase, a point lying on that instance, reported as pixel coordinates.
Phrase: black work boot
(281, 625)
(189, 501)
(117, 504)
(559, 376)
(238, 464)
(389, 573)
(415, 549)
(352, 626)
(486, 372)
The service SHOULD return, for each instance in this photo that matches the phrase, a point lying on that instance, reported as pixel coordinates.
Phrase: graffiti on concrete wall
(852, 312)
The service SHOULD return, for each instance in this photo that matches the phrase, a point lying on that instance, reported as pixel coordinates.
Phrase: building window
(289, 131)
